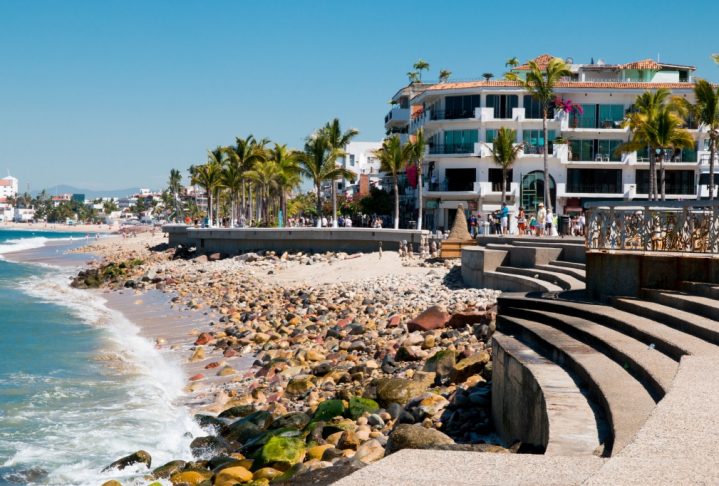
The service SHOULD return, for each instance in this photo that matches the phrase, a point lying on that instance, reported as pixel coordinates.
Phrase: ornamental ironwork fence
(682, 226)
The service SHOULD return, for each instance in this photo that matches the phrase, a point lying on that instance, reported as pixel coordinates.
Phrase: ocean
(79, 387)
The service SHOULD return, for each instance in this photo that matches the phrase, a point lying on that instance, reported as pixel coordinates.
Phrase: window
(595, 150)
(460, 106)
(460, 179)
(534, 141)
(533, 108)
(677, 182)
(598, 116)
(489, 135)
(502, 105)
(495, 177)
(704, 179)
(607, 181)
(352, 160)
(459, 141)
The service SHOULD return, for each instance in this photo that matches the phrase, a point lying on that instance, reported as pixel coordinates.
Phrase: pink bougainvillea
(567, 106)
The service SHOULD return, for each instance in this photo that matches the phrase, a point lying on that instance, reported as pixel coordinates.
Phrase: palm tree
(244, 154)
(174, 185)
(208, 176)
(706, 112)
(288, 173)
(669, 136)
(540, 85)
(487, 76)
(418, 148)
(267, 176)
(413, 77)
(420, 66)
(444, 75)
(337, 141)
(642, 123)
(318, 162)
(512, 62)
(393, 157)
(232, 179)
(716, 58)
(505, 153)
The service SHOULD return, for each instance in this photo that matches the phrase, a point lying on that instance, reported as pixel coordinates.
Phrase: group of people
(542, 223)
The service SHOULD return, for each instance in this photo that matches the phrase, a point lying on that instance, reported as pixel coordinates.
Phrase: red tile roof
(542, 61)
(5, 182)
(644, 64)
(562, 84)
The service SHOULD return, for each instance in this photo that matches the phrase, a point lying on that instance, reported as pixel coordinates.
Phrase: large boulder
(399, 390)
(193, 478)
(359, 406)
(139, 457)
(300, 385)
(406, 436)
(435, 317)
(471, 365)
(469, 318)
(232, 475)
(370, 451)
(442, 363)
(329, 409)
(168, 469)
(282, 451)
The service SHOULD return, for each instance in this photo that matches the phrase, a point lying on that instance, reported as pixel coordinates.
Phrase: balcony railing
(448, 186)
(594, 188)
(452, 114)
(688, 226)
(455, 148)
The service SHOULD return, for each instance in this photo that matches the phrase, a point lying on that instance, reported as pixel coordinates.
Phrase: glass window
(495, 177)
(677, 182)
(502, 104)
(610, 115)
(607, 149)
(352, 160)
(460, 141)
(489, 135)
(588, 119)
(460, 106)
(607, 181)
(533, 108)
(534, 140)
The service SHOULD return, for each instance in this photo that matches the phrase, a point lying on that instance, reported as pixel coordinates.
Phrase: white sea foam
(20, 244)
(78, 441)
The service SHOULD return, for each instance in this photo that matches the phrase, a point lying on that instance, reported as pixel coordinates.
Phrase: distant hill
(90, 194)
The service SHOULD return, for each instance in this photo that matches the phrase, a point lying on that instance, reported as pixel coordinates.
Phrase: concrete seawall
(240, 240)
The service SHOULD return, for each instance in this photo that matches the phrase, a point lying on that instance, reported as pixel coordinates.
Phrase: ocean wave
(83, 426)
(20, 244)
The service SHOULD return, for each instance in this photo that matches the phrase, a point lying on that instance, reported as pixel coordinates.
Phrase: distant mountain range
(89, 194)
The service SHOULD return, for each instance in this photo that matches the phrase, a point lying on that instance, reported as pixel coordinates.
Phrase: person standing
(548, 225)
(473, 225)
(541, 219)
(522, 222)
(504, 218)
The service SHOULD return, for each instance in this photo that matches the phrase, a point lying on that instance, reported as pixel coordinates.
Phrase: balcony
(453, 149)
(454, 186)
(397, 116)
(452, 114)
(594, 189)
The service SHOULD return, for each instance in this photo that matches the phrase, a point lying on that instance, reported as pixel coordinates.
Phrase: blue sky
(112, 94)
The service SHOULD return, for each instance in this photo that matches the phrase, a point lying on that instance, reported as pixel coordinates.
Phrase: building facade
(8, 187)
(461, 119)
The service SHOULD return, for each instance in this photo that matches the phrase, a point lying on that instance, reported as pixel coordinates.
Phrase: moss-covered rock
(282, 451)
(329, 409)
(232, 475)
(359, 406)
(168, 469)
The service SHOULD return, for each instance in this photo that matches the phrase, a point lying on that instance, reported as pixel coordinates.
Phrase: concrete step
(623, 399)
(527, 256)
(562, 263)
(573, 252)
(695, 304)
(508, 282)
(567, 425)
(577, 273)
(672, 342)
(686, 322)
(710, 290)
(562, 280)
(650, 367)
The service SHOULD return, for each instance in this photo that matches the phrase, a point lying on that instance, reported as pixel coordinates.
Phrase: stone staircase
(622, 358)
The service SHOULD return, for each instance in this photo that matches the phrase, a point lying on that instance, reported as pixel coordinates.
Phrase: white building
(460, 121)
(8, 187)
(24, 215)
(360, 159)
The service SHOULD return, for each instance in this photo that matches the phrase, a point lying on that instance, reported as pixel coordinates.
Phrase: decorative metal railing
(682, 226)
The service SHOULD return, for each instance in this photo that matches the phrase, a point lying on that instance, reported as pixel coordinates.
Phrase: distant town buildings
(8, 187)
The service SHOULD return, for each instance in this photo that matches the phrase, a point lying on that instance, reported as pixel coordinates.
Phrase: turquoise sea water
(79, 387)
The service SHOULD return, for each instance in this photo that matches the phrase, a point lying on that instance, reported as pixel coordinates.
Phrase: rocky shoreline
(344, 372)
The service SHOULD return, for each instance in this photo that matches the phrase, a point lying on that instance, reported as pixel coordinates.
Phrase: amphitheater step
(508, 282)
(686, 322)
(562, 280)
(696, 304)
(527, 256)
(572, 428)
(667, 340)
(710, 290)
(579, 274)
(625, 401)
(650, 367)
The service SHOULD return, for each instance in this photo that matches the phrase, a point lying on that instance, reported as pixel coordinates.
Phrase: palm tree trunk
(396, 203)
(244, 202)
(547, 199)
(662, 177)
(712, 154)
(319, 204)
(652, 175)
(209, 209)
(504, 184)
(419, 195)
(334, 203)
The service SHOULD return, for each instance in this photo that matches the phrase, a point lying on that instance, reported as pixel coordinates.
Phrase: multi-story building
(461, 119)
(8, 187)
(359, 159)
